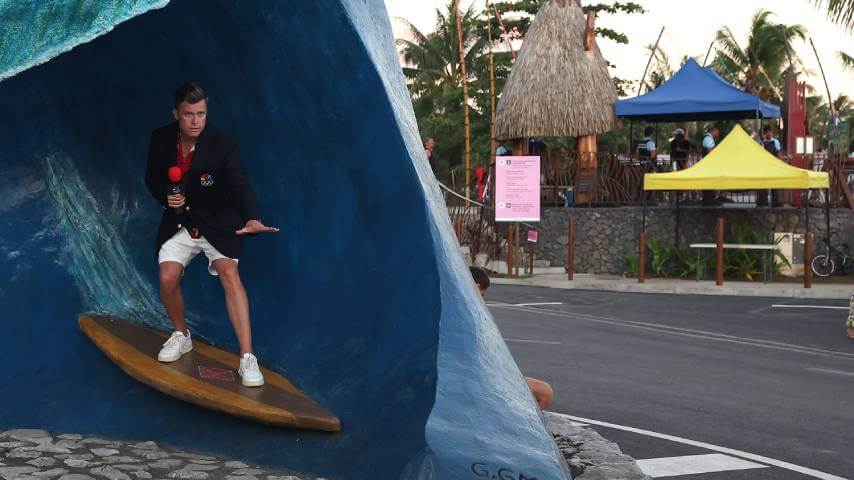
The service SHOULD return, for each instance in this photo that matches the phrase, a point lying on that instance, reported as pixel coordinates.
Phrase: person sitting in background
(541, 390)
(679, 148)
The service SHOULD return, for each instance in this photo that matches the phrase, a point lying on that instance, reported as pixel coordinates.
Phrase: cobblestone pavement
(38, 455)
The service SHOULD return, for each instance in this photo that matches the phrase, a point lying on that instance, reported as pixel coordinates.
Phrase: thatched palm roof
(556, 88)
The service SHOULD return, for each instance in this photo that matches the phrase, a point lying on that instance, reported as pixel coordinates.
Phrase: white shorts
(182, 248)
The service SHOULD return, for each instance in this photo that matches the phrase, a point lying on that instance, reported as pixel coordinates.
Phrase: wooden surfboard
(206, 376)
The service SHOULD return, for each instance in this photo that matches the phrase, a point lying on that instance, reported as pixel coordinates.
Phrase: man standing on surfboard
(215, 208)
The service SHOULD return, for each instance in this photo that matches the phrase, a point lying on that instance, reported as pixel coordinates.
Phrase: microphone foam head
(175, 174)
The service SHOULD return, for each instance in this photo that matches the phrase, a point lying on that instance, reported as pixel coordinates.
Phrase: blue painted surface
(362, 299)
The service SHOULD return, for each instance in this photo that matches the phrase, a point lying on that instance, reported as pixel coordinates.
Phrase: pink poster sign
(517, 189)
(533, 235)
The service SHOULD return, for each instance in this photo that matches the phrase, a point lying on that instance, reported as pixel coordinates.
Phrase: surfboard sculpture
(206, 376)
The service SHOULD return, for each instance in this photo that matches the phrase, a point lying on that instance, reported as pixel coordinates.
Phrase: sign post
(517, 195)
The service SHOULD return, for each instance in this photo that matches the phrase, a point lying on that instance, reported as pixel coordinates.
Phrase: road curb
(682, 287)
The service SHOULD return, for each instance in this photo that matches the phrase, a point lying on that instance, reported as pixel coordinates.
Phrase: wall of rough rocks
(603, 235)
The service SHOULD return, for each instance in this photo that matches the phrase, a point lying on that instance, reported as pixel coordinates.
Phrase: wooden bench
(766, 266)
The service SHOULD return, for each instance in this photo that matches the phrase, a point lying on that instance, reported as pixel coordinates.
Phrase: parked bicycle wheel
(823, 266)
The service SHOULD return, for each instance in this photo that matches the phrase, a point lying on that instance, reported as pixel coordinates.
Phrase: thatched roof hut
(556, 88)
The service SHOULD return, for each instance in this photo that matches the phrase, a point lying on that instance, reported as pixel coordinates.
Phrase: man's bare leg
(171, 294)
(236, 302)
(542, 391)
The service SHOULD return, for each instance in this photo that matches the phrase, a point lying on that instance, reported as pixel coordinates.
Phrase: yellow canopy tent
(738, 163)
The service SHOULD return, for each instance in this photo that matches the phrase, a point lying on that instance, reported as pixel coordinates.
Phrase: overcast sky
(690, 28)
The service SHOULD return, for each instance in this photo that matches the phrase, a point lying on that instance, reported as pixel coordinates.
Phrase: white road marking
(829, 307)
(694, 464)
(519, 340)
(830, 370)
(708, 446)
(537, 304)
(686, 332)
(502, 304)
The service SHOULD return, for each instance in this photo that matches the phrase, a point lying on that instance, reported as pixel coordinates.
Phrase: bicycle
(832, 261)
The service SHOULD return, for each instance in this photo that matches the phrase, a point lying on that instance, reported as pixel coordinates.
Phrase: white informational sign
(517, 189)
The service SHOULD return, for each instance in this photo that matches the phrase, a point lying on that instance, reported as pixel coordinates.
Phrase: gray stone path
(38, 455)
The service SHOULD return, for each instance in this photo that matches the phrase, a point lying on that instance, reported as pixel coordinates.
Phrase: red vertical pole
(719, 264)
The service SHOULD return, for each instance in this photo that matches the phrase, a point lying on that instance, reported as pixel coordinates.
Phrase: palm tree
(847, 61)
(436, 85)
(818, 114)
(759, 67)
(433, 60)
(839, 11)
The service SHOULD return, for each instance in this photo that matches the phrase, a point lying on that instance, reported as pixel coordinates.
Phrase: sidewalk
(614, 283)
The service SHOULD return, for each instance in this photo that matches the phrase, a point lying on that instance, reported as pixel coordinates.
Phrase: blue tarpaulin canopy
(695, 93)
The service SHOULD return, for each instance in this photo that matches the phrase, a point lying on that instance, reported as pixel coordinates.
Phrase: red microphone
(176, 187)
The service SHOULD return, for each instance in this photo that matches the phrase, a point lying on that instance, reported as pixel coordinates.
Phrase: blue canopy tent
(695, 93)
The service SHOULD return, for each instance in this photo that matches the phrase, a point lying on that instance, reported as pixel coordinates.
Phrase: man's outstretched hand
(254, 226)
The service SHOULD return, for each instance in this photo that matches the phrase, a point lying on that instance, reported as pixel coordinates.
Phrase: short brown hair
(190, 92)
(481, 278)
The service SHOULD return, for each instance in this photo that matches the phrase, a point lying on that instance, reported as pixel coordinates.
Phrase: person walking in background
(850, 322)
(429, 146)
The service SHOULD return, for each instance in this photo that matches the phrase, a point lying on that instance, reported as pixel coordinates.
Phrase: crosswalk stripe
(694, 464)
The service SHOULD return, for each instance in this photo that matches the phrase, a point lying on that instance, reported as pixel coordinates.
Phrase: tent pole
(631, 137)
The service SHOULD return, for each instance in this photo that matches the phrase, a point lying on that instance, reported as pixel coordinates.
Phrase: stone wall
(603, 235)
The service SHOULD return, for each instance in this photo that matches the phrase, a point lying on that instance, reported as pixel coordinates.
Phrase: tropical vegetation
(757, 63)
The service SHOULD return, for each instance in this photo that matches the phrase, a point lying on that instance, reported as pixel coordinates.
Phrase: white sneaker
(177, 345)
(250, 374)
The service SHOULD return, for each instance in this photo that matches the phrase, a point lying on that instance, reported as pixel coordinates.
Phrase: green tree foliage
(759, 65)
(846, 60)
(433, 74)
(839, 11)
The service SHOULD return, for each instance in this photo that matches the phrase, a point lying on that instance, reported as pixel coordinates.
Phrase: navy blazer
(219, 198)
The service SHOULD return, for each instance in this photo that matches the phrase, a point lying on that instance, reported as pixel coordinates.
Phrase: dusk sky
(690, 28)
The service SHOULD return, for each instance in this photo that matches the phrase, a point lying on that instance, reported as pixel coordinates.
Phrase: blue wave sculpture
(362, 299)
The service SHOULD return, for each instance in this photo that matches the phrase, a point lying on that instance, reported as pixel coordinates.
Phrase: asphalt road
(734, 372)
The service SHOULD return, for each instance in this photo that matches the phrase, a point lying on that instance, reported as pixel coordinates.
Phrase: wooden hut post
(587, 145)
